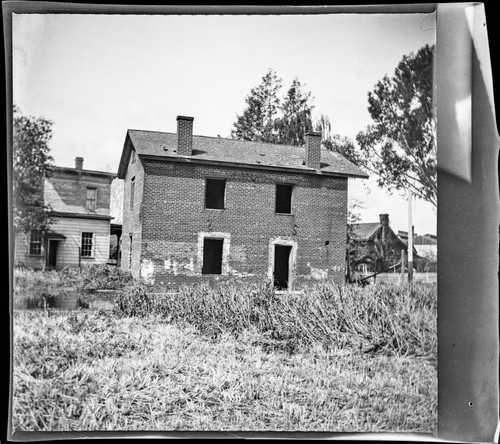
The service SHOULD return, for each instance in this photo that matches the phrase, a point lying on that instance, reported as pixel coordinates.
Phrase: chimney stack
(313, 149)
(384, 219)
(78, 163)
(184, 135)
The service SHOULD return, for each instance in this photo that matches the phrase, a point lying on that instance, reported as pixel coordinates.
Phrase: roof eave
(122, 167)
(249, 165)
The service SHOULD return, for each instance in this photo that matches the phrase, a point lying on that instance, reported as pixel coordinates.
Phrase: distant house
(374, 246)
(80, 202)
(201, 208)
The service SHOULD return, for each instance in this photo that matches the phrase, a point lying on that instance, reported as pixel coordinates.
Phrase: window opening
(284, 198)
(91, 198)
(212, 256)
(215, 193)
(36, 243)
(87, 244)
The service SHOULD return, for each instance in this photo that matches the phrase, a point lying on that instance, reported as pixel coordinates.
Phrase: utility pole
(410, 238)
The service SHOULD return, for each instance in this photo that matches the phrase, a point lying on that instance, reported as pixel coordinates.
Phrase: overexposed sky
(95, 76)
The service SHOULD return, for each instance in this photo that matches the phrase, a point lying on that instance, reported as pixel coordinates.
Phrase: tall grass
(89, 370)
(394, 319)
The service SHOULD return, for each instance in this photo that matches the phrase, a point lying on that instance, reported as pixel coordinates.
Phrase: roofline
(80, 215)
(76, 170)
(248, 165)
(124, 159)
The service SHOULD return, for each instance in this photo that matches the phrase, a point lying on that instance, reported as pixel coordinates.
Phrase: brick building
(80, 203)
(199, 207)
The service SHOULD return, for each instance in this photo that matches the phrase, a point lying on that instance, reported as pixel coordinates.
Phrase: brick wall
(171, 218)
(67, 192)
(132, 216)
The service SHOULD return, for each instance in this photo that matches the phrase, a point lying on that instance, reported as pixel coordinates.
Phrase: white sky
(95, 76)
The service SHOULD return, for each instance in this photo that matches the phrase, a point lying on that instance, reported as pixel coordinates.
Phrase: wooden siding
(72, 228)
(68, 249)
(22, 256)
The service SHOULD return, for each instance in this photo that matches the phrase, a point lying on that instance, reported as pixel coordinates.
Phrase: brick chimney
(313, 149)
(384, 219)
(78, 163)
(184, 135)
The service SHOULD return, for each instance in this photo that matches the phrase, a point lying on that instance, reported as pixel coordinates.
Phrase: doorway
(52, 253)
(212, 256)
(282, 266)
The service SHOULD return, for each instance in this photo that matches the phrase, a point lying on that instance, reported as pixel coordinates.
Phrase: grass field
(94, 370)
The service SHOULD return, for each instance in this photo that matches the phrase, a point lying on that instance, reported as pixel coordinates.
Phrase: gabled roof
(232, 152)
(364, 231)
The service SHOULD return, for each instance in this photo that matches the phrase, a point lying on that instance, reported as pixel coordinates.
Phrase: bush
(97, 277)
(394, 319)
(33, 288)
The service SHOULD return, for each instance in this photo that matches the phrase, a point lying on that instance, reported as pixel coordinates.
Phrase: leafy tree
(258, 119)
(400, 146)
(31, 163)
(268, 118)
(296, 120)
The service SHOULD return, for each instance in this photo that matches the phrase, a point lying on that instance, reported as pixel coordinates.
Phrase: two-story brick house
(80, 203)
(199, 207)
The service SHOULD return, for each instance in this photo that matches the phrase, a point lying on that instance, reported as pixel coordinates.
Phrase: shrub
(33, 288)
(97, 277)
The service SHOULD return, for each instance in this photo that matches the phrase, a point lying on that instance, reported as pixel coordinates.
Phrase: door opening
(52, 254)
(212, 256)
(281, 266)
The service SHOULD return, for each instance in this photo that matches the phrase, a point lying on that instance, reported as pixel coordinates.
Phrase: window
(36, 243)
(212, 256)
(215, 193)
(91, 198)
(132, 191)
(87, 249)
(133, 156)
(284, 198)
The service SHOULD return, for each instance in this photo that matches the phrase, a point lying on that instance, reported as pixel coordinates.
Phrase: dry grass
(394, 319)
(93, 371)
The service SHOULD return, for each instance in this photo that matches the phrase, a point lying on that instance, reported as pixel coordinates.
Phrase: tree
(258, 119)
(268, 118)
(31, 163)
(295, 121)
(400, 146)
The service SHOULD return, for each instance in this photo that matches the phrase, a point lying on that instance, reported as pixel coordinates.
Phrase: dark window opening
(36, 243)
(214, 193)
(281, 266)
(212, 256)
(284, 198)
